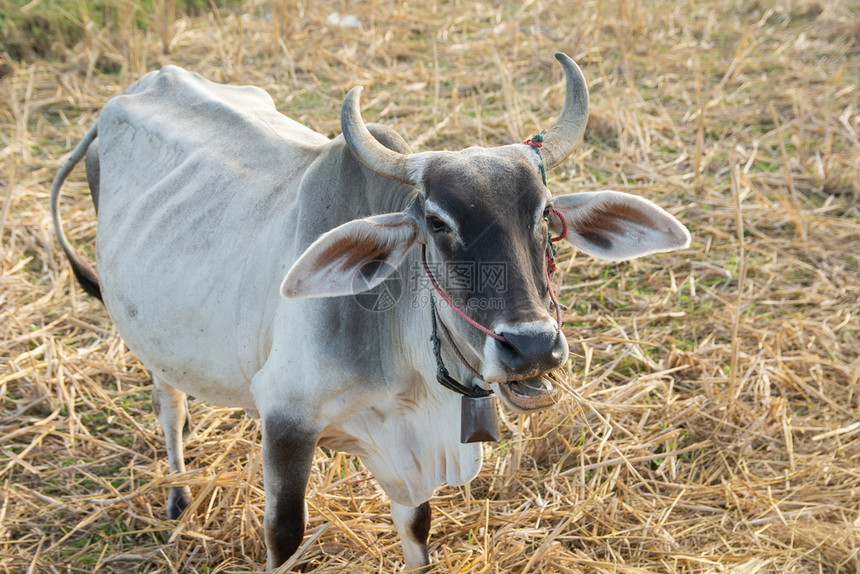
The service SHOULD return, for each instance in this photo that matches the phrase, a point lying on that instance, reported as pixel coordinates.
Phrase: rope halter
(550, 267)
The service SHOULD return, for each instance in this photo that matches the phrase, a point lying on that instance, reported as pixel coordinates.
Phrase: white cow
(233, 244)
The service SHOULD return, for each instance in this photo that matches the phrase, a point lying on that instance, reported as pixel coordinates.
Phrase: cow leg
(413, 525)
(172, 412)
(288, 452)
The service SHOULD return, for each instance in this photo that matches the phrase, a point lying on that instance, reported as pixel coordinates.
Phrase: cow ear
(616, 226)
(352, 258)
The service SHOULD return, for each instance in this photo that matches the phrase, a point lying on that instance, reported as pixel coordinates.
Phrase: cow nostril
(559, 347)
(531, 351)
(509, 354)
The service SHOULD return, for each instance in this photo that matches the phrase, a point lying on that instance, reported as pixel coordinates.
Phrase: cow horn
(373, 154)
(565, 134)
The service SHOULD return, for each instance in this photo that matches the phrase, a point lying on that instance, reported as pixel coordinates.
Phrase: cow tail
(82, 269)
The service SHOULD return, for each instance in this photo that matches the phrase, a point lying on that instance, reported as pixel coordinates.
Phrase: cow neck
(442, 375)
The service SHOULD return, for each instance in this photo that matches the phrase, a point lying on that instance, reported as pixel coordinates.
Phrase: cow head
(488, 209)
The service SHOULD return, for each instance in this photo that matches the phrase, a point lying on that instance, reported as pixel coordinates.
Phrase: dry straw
(710, 420)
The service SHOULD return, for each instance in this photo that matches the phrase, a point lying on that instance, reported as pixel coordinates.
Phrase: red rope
(563, 226)
(468, 319)
(549, 269)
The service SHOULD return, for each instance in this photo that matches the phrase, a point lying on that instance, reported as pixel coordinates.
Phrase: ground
(711, 419)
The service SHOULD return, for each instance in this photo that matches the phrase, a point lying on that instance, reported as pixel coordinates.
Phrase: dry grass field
(711, 420)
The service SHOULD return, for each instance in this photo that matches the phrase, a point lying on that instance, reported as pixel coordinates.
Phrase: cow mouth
(529, 395)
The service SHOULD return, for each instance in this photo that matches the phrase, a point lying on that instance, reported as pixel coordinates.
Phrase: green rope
(538, 139)
(441, 371)
(536, 142)
(442, 375)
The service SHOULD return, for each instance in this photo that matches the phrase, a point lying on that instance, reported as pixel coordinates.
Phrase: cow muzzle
(531, 352)
(520, 367)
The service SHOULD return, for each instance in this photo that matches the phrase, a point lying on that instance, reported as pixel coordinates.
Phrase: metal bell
(478, 422)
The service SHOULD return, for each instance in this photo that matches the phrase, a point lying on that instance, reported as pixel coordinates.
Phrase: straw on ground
(711, 420)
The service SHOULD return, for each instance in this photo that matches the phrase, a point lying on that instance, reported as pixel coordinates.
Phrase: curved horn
(565, 134)
(373, 154)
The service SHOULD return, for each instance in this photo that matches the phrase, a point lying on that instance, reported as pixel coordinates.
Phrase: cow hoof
(177, 501)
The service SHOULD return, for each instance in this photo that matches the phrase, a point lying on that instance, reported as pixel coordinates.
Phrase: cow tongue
(531, 387)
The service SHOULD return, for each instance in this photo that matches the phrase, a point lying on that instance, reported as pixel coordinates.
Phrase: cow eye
(547, 210)
(436, 225)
